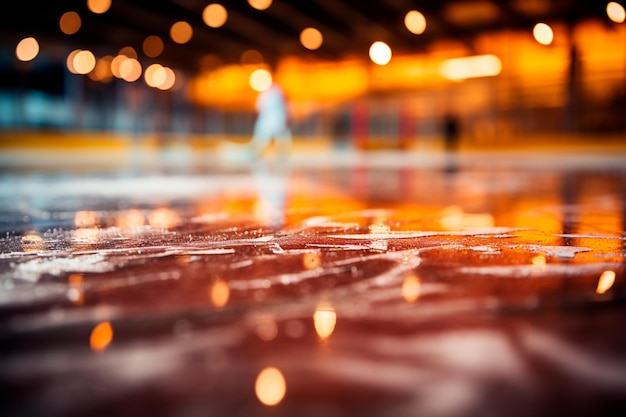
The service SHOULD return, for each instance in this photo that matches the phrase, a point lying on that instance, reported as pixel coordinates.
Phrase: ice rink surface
(347, 284)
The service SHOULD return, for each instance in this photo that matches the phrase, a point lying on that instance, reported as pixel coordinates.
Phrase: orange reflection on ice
(266, 328)
(411, 288)
(270, 386)
(324, 320)
(32, 242)
(101, 336)
(219, 293)
(130, 219)
(75, 292)
(87, 235)
(85, 219)
(163, 218)
(454, 218)
(311, 260)
(606, 281)
(379, 227)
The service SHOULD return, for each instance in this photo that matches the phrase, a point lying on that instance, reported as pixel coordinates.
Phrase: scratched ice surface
(372, 291)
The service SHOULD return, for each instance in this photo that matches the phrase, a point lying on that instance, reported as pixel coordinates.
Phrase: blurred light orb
(155, 75)
(543, 34)
(152, 46)
(380, 53)
(69, 62)
(270, 386)
(214, 15)
(130, 70)
(260, 4)
(311, 38)
(98, 6)
(69, 23)
(27, 49)
(116, 62)
(128, 51)
(415, 22)
(170, 79)
(260, 80)
(606, 281)
(181, 32)
(84, 62)
(251, 56)
(102, 72)
(616, 12)
(101, 336)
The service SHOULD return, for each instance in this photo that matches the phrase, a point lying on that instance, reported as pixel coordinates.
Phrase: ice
(433, 318)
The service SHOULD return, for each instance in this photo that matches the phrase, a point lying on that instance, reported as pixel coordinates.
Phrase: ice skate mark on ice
(548, 270)
(565, 252)
(589, 236)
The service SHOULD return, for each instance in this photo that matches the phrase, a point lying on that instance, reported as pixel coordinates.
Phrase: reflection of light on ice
(130, 219)
(266, 328)
(606, 281)
(32, 242)
(311, 260)
(411, 288)
(85, 219)
(101, 336)
(379, 227)
(87, 235)
(324, 320)
(453, 218)
(76, 291)
(270, 386)
(539, 263)
(164, 218)
(219, 293)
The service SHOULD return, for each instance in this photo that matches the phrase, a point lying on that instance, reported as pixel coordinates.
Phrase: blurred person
(272, 123)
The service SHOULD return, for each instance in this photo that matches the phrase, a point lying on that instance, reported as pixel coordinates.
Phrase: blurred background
(361, 75)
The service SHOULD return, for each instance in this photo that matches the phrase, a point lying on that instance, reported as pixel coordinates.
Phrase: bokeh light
(130, 70)
(214, 15)
(27, 49)
(70, 23)
(101, 337)
(460, 69)
(219, 293)
(128, 51)
(115, 65)
(170, 80)
(324, 321)
(155, 75)
(102, 72)
(415, 22)
(543, 33)
(260, 80)
(615, 12)
(152, 46)
(606, 281)
(98, 6)
(84, 62)
(251, 56)
(311, 38)
(181, 32)
(410, 288)
(260, 4)
(270, 386)
(380, 53)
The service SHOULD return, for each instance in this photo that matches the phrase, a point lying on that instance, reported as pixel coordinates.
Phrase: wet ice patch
(556, 251)
(524, 271)
(33, 270)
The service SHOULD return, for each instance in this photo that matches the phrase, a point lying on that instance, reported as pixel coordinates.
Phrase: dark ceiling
(348, 26)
